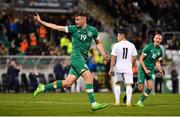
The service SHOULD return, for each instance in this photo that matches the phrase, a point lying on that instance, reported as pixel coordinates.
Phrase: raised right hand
(37, 17)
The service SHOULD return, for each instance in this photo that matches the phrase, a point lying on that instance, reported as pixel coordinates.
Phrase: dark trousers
(158, 85)
(175, 83)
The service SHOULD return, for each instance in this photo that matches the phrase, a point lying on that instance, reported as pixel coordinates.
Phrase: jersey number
(125, 52)
(83, 37)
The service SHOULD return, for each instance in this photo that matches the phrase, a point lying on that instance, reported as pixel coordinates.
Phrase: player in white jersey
(123, 57)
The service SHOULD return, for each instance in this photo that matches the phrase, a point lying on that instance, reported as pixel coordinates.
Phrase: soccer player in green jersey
(149, 59)
(82, 35)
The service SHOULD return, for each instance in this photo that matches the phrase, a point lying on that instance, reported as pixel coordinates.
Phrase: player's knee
(141, 88)
(150, 87)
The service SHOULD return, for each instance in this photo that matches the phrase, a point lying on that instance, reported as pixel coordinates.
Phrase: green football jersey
(152, 54)
(82, 39)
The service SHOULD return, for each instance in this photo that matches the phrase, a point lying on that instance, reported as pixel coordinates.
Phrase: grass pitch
(77, 104)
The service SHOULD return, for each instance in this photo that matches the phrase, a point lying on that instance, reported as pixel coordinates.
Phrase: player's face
(157, 39)
(80, 21)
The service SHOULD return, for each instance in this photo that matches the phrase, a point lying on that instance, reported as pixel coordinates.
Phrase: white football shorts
(126, 77)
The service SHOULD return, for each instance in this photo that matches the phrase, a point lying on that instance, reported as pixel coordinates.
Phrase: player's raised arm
(49, 25)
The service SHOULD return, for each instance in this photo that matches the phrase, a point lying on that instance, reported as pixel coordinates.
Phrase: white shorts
(126, 77)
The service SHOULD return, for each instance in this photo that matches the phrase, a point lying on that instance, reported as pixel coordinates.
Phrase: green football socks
(145, 94)
(54, 85)
(90, 92)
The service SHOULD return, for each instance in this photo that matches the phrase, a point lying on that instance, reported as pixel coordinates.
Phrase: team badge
(89, 34)
(154, 56)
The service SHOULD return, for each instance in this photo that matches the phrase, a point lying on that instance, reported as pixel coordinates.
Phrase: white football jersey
(123, 50)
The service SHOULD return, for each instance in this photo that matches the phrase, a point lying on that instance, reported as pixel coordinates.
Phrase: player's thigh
(128, 78)
(118, 78)
(149, 76)
(79, 65)
(72, 71)
(141, 77)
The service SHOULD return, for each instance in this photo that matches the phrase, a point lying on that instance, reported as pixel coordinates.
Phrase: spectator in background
(59, 72)
(33, 81)
(13, 50)
(23, 46)
(42, 32)
(13, 73)
(158, 81)
(66, 45)
(11, 28)
(33, 40)
(173, 44)
(3, 49)
(174, 79)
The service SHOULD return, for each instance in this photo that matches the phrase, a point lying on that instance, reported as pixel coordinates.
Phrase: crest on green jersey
(154, 56)
(89, 34)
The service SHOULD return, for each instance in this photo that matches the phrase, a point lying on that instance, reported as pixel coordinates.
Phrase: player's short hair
(80, 13)
(158, 32)
(122, 31)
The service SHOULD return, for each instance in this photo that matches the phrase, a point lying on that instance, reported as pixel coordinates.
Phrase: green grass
(76, 104)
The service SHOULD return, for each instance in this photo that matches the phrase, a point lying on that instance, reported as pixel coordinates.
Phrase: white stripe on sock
(89, 90)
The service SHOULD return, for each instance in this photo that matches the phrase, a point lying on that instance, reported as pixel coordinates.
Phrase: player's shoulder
(149, 45)
(72, 26)
(115, 45)
(92, 28)
(130, 43)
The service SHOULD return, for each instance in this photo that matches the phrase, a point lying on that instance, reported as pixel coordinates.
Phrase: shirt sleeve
(134, 53)
(145, 50)
(70, 29)
(96, 35)
(114, 50)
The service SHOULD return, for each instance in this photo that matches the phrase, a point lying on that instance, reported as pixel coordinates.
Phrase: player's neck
(156, 45)
(123, 39)
(84, 26)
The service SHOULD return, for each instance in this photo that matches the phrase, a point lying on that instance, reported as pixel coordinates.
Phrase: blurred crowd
(142, 15)
(148, 13)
